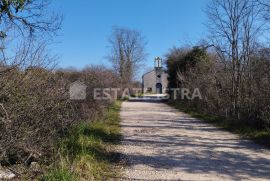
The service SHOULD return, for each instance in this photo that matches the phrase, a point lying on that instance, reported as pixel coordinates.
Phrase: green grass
(60, 174)
(261, 136)
(87, 153)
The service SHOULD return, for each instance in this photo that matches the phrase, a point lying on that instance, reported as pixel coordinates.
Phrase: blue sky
(87, 25)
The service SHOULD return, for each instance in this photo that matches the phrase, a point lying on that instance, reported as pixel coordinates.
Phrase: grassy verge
(87, 152)
(261, 136)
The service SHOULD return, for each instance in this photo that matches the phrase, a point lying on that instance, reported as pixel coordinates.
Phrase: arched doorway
(159, 88)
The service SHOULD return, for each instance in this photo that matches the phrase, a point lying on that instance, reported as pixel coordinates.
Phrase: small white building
(155, 81)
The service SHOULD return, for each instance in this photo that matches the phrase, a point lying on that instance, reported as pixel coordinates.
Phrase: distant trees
(127, 53)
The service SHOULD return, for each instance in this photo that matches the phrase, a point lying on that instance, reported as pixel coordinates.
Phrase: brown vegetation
(36, 110)
(232, 70)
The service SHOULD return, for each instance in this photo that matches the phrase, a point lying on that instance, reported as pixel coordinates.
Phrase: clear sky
(87, 25)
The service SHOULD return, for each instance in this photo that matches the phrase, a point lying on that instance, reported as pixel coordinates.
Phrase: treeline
(197, 68)
(232, 68)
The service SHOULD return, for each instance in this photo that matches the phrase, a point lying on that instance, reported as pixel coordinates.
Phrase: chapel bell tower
(158, 70)
(158, 63)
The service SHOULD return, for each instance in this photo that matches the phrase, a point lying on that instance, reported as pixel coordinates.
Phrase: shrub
(265, 116)
(35, 111)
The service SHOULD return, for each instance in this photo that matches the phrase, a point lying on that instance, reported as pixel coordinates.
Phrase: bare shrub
(213, 78)
(265, 116)
(35, 109)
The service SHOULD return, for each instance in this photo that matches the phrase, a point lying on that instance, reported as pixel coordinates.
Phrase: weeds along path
(160, 142)
(88, 151)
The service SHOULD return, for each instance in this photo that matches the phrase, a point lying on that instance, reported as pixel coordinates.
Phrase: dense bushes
(35, 110)
(213, 78)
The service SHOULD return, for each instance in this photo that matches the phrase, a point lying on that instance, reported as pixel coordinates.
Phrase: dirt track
(161, 143)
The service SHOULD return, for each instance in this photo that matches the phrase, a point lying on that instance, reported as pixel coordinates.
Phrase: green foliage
(180, 60)
(196, 55)
(10, 6)
(59, 174)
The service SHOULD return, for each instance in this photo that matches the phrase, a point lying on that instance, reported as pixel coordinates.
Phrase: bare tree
(25, 21)
(266, 8)
(235, 27)
(27, 17)
(127, 52)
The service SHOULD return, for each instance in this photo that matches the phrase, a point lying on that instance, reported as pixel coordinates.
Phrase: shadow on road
(184, 144)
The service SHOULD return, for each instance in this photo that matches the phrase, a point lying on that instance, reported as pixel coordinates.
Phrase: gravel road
(161, 143)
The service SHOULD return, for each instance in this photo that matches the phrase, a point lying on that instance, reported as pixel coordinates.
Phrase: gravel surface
(161, 143)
